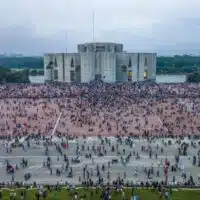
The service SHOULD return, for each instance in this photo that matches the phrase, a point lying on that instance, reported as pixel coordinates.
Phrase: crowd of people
(98, 108)
(116, 161)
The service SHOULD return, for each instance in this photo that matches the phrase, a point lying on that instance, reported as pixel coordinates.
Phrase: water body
(159, 79)
(36, 79)
(171, 78)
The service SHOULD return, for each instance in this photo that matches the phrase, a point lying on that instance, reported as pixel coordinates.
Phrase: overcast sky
(32, 27)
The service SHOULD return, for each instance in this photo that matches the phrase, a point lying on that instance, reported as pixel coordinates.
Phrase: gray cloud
(35, 27)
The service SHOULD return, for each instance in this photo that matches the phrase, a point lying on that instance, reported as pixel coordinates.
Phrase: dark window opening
(72, 76)
(129, 64)
(78, 68)
(98, 77)
(50, 65)
(145, 75)
(55, 74)
(145, 62)
(78, 73)
(63, 57)
(124, 68)
(100, 48)
(138, 66)
(129, 75)
(72, 62)
(55, 62)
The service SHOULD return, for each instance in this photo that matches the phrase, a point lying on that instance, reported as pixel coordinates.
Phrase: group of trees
(18, 69)
(9, 76)
(165, 64)
(194, 77)
(36, 72)
(22, 62)
(189, 65)
(185, 64)
(177, 64)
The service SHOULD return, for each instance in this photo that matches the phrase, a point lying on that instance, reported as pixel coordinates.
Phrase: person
(37, 195)
(14, 196)
(76, 195)
(166, 195)
(54, 195)
(22, 196)
(136, 197)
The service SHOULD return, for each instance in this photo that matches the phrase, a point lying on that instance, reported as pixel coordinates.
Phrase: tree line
(9, 76)
(185, 64)
(165, 64)
(22, 62)
(178, 64)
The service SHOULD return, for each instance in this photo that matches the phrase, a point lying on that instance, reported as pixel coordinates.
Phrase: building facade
(100, 61)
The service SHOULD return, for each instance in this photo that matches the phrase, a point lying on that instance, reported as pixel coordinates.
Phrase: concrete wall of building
(81, 48)
(87, 67)
(121, 60)
(119, 48)
(108, 68)
(48, 75)
(141, 66)
(59, 66)
(134, 62)
(154, 66)
(118, 73)
(47, 72)
(151, 69)
(100, 47)
(105, 59)
(77, 59)
(67, 63)
(98, 63)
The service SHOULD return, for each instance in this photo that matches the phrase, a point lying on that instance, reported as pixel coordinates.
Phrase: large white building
(103, 61)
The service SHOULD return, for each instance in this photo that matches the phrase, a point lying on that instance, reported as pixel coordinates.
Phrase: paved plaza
(133, 170)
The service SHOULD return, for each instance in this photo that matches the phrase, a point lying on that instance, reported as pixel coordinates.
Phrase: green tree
(194, 77)
(8, 76)
(33, 72)
(41, 72)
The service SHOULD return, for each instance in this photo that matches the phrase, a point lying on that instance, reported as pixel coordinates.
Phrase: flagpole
(66, 40)
(57, 122)
(93, 25)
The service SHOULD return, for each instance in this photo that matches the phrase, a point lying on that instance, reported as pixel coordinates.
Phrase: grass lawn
(92, 194)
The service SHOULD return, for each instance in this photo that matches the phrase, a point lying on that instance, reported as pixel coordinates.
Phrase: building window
(55, 74)
(129, 63)
(98, 77)
(72, 76)
(63, 62)
(138, 66)
(145, 61)
(129, 75)
(50, 65)
(55, 62)
(100, 48)
(78, 68)
(124, 68)
(72, 62)
(145, 75)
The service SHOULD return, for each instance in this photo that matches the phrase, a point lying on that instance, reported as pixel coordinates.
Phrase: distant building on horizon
(99, 61)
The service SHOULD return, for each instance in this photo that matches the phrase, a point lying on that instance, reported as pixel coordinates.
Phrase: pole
(66, 40)
(93, 21)
(57, 122)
